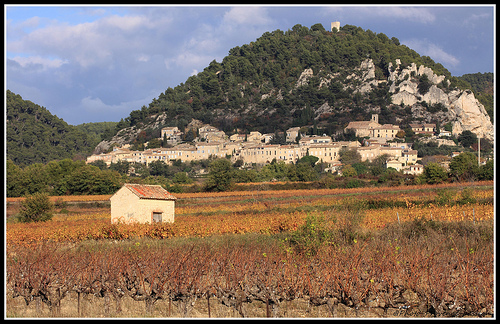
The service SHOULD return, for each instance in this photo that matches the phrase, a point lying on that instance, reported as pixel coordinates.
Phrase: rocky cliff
(459, 107)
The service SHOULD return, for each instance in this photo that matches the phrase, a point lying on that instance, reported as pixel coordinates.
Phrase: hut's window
(157, 217)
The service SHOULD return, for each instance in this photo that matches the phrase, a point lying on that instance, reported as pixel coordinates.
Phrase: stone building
(145, 204)
(364, 128)
(172, 134)
(373, 129)
(335, 24)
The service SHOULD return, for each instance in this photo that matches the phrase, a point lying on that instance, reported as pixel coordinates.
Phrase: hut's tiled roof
(149, 191)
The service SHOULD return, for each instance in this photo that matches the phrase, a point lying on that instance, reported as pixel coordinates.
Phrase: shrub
(434, 173)
(309, 237)
(36, 208)
(111, 231)
(353, 183)
(466, 197)
(60, 203)
(348, 219)
(424, 84)
(444, 197)
(220, 176)
(420, 226)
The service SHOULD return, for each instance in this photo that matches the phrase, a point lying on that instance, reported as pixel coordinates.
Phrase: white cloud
(93, 43)
(126, 23)
(474, 19)
(43, 63)
(436, 53)
(188, 59)
(367, 12)
(131, 23)
(143, 58)
(247, 16)
(81, 43)
(417, 14)
(30, 23)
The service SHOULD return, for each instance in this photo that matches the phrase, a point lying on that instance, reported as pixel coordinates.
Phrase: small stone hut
(136, 203)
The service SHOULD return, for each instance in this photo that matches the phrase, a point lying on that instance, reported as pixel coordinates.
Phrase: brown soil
(95, 307)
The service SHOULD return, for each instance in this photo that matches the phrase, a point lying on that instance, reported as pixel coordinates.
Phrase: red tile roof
(149, 191)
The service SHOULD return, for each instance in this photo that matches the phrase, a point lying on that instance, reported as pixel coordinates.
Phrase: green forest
(34, 135)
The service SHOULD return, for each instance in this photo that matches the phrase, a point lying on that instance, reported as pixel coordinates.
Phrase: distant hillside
(35, 135)
(98, 131)
(300, 77)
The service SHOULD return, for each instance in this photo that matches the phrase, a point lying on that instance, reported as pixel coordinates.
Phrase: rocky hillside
(430, 98)
(316, 78)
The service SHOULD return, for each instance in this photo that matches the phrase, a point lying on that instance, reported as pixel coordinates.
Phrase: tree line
(68, 177)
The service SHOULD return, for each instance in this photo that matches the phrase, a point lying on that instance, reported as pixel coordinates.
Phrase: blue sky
(98, 63)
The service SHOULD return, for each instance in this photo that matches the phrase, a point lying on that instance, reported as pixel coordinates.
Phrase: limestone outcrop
(365, 75)
(304, 78)
(463, 110)
(459, 107)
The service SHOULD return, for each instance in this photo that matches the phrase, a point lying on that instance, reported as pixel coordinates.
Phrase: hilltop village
(255, 148)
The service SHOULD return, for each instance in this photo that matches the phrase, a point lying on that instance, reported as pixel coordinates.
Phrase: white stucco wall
(126, 207)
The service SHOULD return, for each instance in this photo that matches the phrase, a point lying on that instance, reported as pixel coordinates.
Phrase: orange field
(267, 212)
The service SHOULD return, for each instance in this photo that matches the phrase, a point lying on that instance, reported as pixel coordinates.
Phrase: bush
(353, 183)
(464, 167)
(220, 176)
(466, 197)
(434, 173)
(486, 171)
(420, 227)
(60, 203)
(36, 208)
(310, 237)
(444, 197)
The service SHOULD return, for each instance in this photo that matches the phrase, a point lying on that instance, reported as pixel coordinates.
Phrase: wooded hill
(34, 135)
(255, 85)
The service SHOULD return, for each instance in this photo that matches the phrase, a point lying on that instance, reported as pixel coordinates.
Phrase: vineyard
(419, 251)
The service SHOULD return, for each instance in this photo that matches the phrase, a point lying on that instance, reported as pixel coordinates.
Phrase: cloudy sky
(98, 63)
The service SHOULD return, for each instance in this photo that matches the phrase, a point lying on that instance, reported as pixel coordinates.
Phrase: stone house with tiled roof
(373, 129)
(136, 203)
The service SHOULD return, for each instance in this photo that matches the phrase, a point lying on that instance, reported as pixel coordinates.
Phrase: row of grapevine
(449, 278)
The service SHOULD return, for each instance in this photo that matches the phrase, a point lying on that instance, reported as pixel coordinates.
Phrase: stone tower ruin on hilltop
(335, 24)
